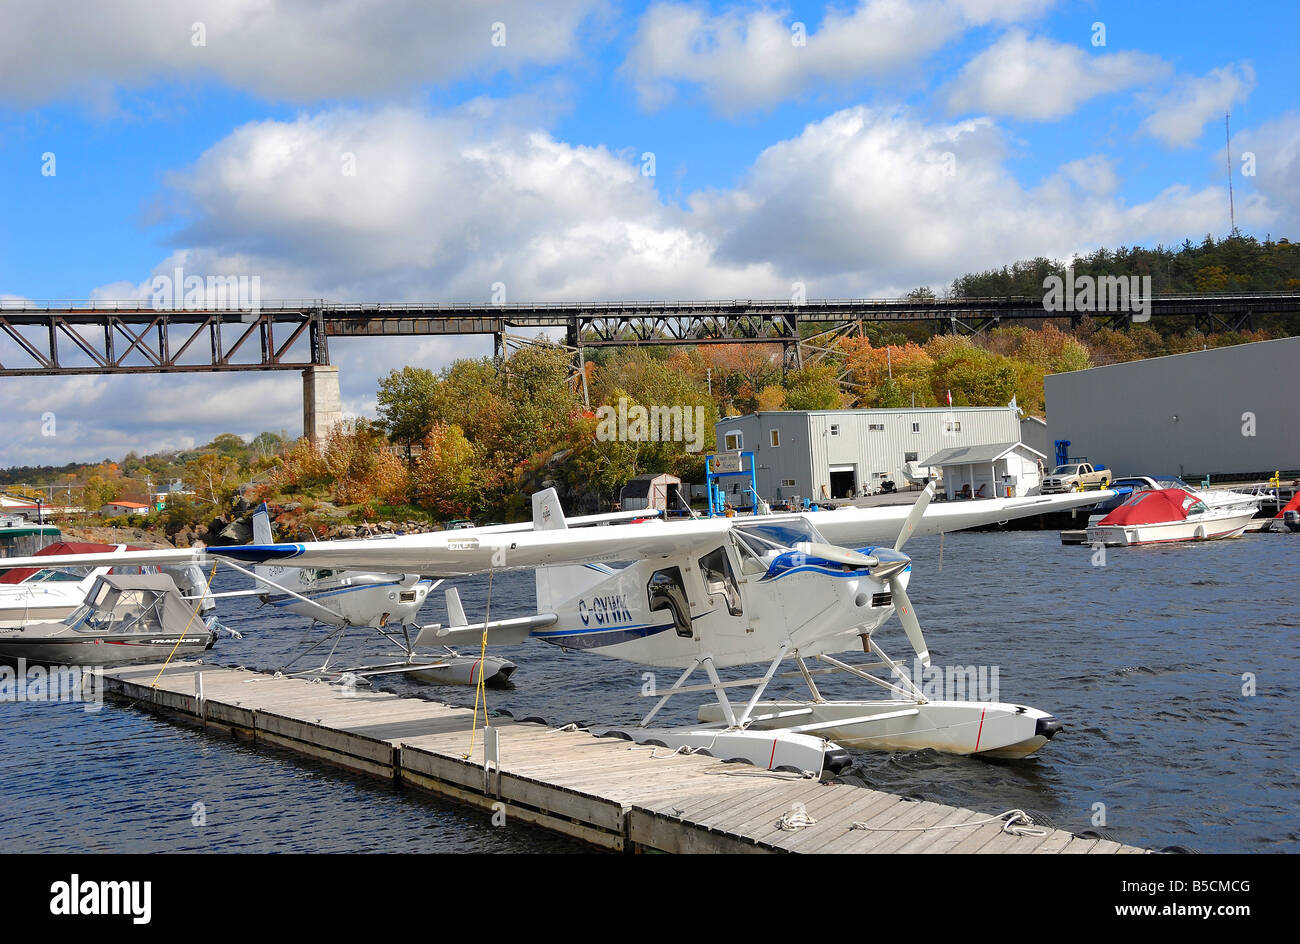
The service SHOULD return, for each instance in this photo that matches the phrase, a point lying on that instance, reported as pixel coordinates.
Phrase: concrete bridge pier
(322, 405)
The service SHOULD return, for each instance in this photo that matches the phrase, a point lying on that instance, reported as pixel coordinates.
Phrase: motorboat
(47, 594)
(1157, 516)
(1287, 518)
(51, 593)
(125, 618)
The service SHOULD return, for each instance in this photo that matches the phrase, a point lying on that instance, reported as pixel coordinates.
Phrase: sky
(592, 149)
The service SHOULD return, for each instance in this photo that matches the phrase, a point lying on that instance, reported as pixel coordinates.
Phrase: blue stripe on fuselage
(599, 638)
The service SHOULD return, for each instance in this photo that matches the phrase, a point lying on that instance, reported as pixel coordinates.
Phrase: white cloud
(1043, 80)
(1275, 149)
(291, 50)
(748, 59)
(444, 205)
(861, 203)
(1178, 117)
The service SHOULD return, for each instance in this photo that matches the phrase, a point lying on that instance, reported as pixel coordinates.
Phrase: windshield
(1172, 481)
(1065, 470)
(777, 535)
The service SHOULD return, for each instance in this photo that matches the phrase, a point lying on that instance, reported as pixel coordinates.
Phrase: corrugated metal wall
(808, 449)
(1185, 414)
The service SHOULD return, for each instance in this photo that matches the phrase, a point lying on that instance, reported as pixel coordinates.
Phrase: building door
(843, 481)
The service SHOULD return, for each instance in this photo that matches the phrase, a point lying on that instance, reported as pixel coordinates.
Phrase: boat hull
(987, 729)
(101, 650)
(1168, 532)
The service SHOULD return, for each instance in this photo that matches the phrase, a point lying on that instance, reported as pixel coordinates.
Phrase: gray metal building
(822, 454)
(1225, 411)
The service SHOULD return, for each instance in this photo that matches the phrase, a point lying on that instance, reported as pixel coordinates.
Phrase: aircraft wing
(442, 553)
(861, 527)
(472, 551)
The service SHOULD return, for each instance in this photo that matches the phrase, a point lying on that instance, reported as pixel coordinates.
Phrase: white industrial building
(1228, 411)
(827, 454)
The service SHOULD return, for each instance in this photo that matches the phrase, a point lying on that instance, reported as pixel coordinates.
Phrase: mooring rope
(480, 690)
(1014, 822)
(796, 819)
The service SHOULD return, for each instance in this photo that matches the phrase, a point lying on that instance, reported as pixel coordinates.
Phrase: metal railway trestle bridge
(131, 337)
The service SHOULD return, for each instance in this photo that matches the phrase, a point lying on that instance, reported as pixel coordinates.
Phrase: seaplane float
(714, 593)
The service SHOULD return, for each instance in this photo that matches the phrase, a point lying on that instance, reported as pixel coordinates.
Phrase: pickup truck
(1075, 477)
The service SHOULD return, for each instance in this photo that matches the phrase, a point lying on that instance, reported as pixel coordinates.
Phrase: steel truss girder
(138, 344)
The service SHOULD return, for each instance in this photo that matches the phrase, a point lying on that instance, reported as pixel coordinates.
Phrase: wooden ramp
(605, 791)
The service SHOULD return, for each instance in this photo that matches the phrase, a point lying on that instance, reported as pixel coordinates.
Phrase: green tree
(813, 388)
(408, 405)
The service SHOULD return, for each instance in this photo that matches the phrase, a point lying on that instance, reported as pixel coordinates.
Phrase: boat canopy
(1155, 507)
(144, 603)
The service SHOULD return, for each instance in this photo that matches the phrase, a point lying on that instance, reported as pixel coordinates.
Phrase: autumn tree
(445, 479)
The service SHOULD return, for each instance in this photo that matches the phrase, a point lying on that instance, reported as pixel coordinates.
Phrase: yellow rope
(198, 603)
(480, 690)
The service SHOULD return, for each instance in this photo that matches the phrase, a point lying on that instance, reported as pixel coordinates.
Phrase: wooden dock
(605, 791)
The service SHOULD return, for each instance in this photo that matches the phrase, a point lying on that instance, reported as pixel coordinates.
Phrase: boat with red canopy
(1162, 515)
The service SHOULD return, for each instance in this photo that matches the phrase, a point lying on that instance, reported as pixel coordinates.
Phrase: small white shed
(999, 470)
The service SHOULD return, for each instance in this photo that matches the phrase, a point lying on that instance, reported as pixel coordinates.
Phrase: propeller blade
(833, 552)
(907, 616)
(914, 516)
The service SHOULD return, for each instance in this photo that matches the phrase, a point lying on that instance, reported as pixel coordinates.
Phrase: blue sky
(775, 163)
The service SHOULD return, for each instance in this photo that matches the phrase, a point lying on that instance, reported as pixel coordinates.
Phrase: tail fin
(547, 513)
(262, 530)
(557, 584)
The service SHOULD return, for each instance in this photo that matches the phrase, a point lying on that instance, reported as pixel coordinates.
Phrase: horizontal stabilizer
(506, 632)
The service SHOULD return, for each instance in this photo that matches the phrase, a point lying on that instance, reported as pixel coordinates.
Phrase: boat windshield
(1130, 483)
(118, 611)
(1172, 481)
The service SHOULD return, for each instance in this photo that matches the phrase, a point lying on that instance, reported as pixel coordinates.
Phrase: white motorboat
(127, 618)
(51, 593)
(1160, 516)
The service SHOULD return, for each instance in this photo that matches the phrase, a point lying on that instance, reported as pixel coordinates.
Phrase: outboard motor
(1291, 520)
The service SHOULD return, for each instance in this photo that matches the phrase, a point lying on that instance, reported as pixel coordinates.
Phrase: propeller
(898, 593)
(906, 616)
(914, 516)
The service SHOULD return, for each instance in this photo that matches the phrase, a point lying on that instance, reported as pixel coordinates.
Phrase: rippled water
(1142, 658)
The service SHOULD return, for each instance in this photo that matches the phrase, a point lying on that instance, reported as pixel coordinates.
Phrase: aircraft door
(723, 603)
(667, 591)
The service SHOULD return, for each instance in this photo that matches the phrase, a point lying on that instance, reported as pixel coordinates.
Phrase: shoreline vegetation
(473, 439)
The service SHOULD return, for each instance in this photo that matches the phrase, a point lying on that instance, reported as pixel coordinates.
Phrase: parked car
(1076, 477)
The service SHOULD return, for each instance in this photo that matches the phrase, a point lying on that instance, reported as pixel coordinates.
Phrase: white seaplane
(714, 593)
(344, 598)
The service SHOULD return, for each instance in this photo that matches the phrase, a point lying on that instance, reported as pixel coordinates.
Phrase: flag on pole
(950, 398)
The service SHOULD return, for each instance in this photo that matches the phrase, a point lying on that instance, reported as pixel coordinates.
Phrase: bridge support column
(322, 405)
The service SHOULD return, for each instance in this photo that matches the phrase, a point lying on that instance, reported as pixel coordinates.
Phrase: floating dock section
(608, 792)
